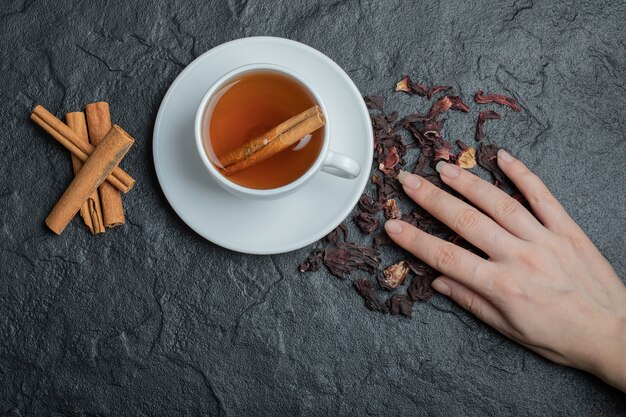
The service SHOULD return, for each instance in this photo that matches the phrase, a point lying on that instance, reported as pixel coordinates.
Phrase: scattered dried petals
(392, 159)
(313, 262)
(366, 222)
(371, 300)
(374, 102)
(467, 158)
(339, 233)
(420, 288)
(442, 153)
(487, 157)
(394, 276)
(382, 239)
(345, 257)
(392, 211)
(368, 205)
(481, 98)
(404, 85)
(482, 116)
(400, 304)
(437, 89)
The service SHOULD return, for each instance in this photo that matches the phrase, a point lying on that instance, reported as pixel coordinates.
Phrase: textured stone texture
(150, 319)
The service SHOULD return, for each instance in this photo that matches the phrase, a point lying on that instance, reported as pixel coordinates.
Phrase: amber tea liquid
(249, 106)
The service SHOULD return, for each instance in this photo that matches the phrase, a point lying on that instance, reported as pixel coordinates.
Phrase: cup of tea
(242, 114)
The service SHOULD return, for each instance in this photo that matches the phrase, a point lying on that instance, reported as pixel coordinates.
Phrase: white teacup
(328, 161)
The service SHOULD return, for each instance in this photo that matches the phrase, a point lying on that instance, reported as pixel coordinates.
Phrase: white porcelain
(249, 225)
(327, 160)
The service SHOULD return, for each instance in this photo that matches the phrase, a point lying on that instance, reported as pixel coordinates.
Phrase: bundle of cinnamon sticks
(96, 147)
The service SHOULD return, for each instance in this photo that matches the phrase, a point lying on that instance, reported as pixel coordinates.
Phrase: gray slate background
(150, 319)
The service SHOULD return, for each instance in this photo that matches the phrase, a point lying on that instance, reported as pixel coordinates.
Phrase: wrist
(611, 359)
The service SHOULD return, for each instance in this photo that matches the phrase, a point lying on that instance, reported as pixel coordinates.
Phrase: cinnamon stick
(90, 211)
(95, 170)
(98, 124)
(257, 143)
(66, 137)
(278, 144)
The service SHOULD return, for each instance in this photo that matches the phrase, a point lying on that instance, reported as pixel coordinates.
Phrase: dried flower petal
(487, 157)
(382, 239)
(400, 304)
(346, 257)
(482, 116)
(392, 211)
(367, 204)
(442, 153)
(394, 276)
(338, 233)
(366, 222)
(467, 158)
(366, 290)
(437, 89)
(374, 102)
(420, 288)
(446, 103)
(404, 85)
(313, 262)
(392, 159)
(481, 98)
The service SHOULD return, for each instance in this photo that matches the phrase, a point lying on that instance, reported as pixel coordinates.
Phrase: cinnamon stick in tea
(66, 137)
(307, 122)
(95, 170)
(98, 124)
(257, 143)
(90, 211)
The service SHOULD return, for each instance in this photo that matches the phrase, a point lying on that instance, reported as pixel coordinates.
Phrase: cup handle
(341, 165)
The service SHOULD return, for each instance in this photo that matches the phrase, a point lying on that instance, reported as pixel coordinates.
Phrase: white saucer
(249, 226)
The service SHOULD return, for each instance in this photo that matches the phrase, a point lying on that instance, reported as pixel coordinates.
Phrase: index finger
(467, 221)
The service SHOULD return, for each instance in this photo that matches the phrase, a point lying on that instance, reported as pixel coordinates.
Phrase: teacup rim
(238, 189)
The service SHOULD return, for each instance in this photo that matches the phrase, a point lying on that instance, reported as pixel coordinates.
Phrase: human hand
(545, 285)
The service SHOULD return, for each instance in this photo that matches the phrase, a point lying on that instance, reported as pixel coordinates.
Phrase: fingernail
(409, 180)
(447, 170)
(393, 227)
(504, 156)
(441, 286)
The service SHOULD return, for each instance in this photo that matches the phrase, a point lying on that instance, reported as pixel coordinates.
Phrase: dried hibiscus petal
(382, 239)
(467, 158)
(447, 103)
(374, 102)
(442, 153)
(437, 89)
(487, 157)
(420, 288)
(419, 268)
(366, 222)
(313, 262)
(404, 85)
(367, 204)
(482, 116)
(345, 257)
(338, 233)
(392, 211)
(371, 300)
(392, 159)
(400, 304)
(393, 276)
(424, 159)
(481, 98)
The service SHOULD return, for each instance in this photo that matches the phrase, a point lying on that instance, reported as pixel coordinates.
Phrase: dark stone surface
(150, 319)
